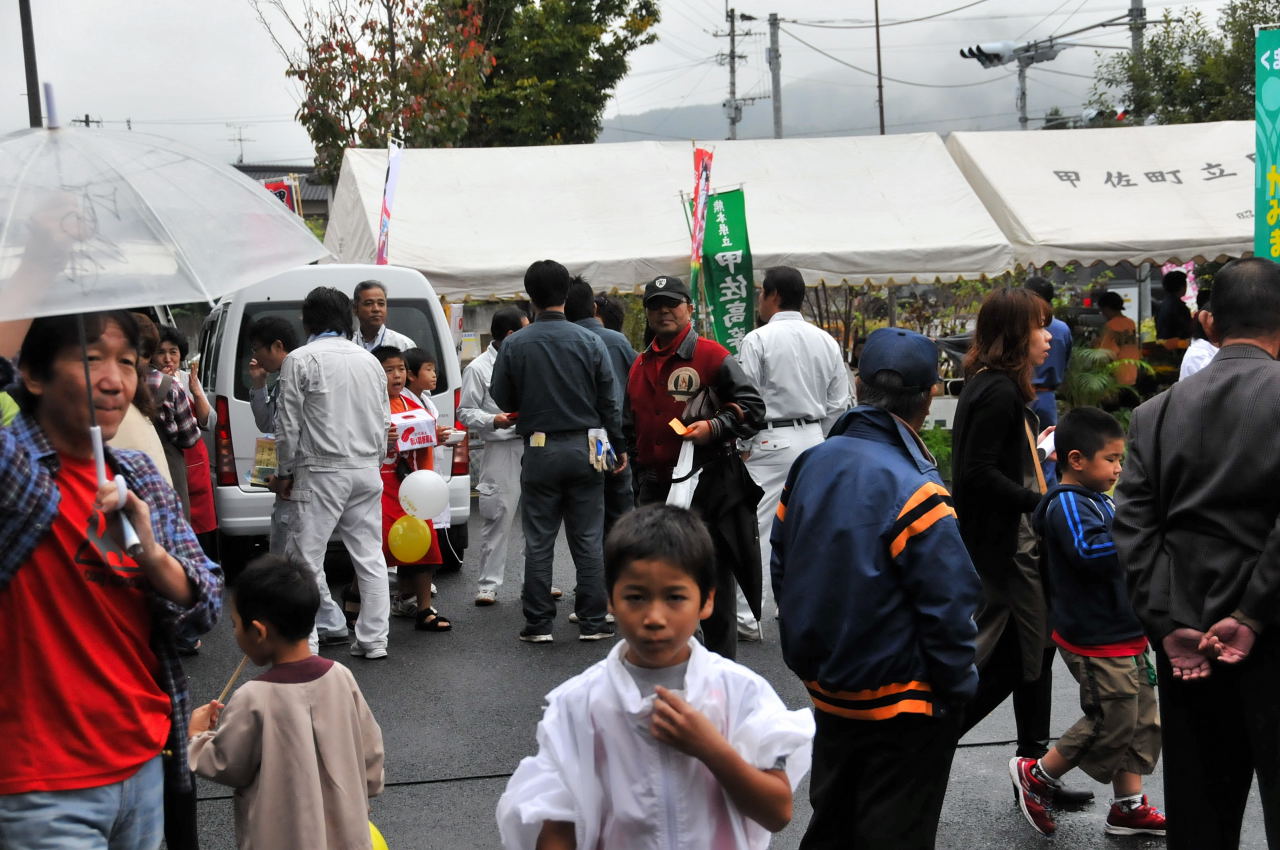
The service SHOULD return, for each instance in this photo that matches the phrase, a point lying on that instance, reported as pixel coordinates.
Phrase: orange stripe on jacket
(874, 693)
(907, 706)
(922, 524)
(926, 490)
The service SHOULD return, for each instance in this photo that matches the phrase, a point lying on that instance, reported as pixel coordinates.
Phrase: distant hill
(822, 106)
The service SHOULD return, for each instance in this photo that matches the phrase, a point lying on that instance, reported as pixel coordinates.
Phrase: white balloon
(424, 494)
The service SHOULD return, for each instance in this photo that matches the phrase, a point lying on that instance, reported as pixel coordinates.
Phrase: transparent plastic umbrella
(101, 219)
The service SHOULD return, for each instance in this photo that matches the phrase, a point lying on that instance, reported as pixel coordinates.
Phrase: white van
(244, 512)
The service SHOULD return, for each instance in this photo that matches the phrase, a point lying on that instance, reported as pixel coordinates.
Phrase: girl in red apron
(415, 576)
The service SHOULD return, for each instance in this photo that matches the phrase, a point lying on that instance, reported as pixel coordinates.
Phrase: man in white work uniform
(369, 304)
(333, 429)
(801, 375)
(499, 478)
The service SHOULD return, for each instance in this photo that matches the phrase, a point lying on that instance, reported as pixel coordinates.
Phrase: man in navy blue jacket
(876, 595)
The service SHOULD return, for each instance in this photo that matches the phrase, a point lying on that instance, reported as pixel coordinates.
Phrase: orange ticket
(678, 427)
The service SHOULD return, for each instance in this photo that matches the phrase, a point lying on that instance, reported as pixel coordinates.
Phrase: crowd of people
(687, 480)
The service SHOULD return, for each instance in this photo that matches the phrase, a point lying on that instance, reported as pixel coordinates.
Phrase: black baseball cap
(667, 287)
(913, 356)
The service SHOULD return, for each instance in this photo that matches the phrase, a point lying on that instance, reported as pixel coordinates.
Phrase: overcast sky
(204, 73)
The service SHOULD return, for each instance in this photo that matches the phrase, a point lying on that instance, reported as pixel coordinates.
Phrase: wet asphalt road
(458, 711)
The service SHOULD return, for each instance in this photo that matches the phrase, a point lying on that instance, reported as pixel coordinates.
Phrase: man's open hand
(1188, 660)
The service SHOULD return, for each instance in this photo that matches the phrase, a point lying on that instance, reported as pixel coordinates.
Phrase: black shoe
(1071, 799)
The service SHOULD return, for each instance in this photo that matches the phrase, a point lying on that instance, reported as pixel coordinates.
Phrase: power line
(903, 124)
(883, 24)
(1042, 20)
(1068, 18)
(840, 61)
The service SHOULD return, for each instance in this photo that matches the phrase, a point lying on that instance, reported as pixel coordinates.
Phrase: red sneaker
(1140, 820)
(1032, 795)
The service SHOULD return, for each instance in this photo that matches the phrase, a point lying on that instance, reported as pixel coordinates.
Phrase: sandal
(430, 620)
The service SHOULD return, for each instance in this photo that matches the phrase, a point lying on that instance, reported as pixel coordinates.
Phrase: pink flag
(701, 189)
(388, 198)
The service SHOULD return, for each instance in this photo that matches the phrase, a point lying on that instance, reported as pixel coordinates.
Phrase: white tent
(1143, 194)
(893, 208)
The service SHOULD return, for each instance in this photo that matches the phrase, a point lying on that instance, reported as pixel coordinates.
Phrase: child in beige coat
(298, 744)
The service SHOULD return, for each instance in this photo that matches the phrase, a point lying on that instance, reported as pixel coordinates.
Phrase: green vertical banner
(726, 262)
(1266, 180)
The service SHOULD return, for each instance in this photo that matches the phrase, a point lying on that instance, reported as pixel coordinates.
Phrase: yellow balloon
(379, 843)
(409, 539)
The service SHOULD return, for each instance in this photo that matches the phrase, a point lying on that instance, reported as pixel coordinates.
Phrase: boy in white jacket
(662, 744)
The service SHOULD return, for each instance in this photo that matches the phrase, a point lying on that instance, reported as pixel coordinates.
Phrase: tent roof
(862, 208)
(1142, 194)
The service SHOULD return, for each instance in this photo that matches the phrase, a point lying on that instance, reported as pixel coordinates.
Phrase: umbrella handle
(132, 544)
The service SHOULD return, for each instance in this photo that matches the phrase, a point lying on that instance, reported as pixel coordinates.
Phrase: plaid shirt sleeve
(174, 533)
(178, 419)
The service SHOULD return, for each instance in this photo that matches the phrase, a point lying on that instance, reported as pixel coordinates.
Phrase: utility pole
(733, 106)
(879, 72)
(775, 74)
(86, 121)
(29, 56)
(1137, 17)
(1022, 96)
(735, 111)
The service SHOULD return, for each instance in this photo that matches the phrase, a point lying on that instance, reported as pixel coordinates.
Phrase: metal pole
(879, 72)
(1137, 15)
(391, 68)
(775, 73)
(733, 76)
(1022, 96)
(29, 55)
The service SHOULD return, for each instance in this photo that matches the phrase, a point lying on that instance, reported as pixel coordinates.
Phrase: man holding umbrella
(98, 696)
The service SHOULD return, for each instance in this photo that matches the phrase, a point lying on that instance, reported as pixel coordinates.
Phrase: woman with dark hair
(998, 482)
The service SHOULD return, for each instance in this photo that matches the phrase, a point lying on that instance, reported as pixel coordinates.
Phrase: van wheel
(237, 551)
(453, 547)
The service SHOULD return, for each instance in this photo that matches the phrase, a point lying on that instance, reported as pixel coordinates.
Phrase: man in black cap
(556, 376)
(876, 596)
(678, 368)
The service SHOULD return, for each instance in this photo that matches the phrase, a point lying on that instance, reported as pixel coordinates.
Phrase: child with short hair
(662, 743)
(298, 743)
(414, 576)
(1098, 635)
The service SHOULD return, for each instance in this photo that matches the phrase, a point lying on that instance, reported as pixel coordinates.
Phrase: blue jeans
(126, 815)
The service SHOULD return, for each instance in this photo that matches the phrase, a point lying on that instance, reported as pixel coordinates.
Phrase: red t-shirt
(83, 707)
(1123, 649)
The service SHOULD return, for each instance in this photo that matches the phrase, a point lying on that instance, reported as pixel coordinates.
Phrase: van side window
(209, 346)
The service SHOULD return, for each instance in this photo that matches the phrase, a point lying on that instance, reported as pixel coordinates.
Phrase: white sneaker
(486, 597)
(368, 653)
(750, 632)
(556, 592)
(608, 618)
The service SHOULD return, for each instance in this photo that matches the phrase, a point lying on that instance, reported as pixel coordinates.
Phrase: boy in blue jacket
(1099, 637)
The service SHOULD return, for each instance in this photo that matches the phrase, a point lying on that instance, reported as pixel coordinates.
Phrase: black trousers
(720, 630)
(1032, 701)
(180, 817)
(1218, 732)
(879, 784)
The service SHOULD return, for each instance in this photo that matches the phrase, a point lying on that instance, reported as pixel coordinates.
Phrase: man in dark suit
(1198, 527)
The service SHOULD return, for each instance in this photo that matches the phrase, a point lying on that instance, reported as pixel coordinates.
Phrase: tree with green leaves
(378, 68)
(556, 65)
(1188, 70)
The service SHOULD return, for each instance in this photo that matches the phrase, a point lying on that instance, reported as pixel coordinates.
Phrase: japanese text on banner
(1266, 180)
(727, 260)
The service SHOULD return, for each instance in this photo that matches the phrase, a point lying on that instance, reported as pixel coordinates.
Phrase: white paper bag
(683, 479)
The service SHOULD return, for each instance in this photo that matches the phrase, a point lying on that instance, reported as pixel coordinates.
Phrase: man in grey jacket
(333, 428)
(1198, 528)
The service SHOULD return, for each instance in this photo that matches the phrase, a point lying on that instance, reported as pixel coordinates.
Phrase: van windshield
(411, 317)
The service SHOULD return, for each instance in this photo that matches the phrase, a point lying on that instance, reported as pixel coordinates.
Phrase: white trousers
(499, 488)
(350, 501)
(772, 453)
